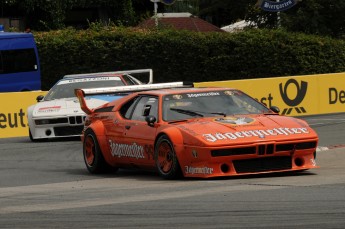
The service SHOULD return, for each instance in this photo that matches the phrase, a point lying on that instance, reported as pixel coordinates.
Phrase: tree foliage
(322, 17)
(319, 17)
(223, 12)
(51, 14)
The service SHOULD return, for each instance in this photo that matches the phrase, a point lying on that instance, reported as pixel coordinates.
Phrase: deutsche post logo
(293, 102)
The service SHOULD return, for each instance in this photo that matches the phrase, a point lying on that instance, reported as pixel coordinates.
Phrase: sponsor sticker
(198, 170)
(49, 109)
(89, 79)
(254, 133)
(205, 94)
(126, 150)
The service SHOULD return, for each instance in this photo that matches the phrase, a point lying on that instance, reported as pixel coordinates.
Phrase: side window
(127, 109)
(19, 60)
(1, 67)
(147, 105)
(127, 80)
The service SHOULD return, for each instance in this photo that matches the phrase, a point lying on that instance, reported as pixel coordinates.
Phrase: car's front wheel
(32, 138)
(93, 156)
(165, 157)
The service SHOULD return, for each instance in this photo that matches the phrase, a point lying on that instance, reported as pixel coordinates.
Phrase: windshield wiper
(187, 112)
(217, 113)
(176, 121)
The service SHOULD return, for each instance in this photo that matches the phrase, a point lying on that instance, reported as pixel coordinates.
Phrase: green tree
(191, 6)
(222, 13)
(43, 14)
(321, 17)
(51, 14)
(127, 14)
(261, 18)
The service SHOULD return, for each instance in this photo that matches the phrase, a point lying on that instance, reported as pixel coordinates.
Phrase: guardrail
(295, 96)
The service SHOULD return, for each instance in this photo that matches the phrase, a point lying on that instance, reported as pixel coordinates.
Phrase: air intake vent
(233, 152)
(297, 146)
(262, 164)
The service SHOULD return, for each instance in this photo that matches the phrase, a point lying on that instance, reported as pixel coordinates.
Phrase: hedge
(183, 55)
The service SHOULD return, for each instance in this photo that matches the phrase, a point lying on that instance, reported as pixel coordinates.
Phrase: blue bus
(19, 63)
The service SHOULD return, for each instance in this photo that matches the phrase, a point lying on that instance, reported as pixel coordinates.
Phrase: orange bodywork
(204, 146)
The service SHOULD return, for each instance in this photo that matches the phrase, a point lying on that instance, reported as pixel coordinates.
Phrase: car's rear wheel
(93, 156)
(165, 157)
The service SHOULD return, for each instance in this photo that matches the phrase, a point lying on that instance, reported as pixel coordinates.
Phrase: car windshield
(65, 87)
(209, 104)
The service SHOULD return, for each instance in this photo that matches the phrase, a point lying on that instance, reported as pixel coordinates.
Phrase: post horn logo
(293, 103)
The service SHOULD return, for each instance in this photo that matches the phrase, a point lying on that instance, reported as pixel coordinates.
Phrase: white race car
(58, 114)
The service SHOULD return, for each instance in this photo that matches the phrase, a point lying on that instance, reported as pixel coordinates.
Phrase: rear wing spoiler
(126, 72)
(81, 93)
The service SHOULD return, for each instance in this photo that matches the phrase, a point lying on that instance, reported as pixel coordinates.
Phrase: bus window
(19, 63)
(20, 60)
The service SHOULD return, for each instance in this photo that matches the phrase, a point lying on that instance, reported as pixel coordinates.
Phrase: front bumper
(256, 158)
(57, 127)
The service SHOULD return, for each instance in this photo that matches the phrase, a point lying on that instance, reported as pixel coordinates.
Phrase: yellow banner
(13, 113)
(295, 95)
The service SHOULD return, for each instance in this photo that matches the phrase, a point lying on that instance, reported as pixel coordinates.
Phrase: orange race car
(177, 129)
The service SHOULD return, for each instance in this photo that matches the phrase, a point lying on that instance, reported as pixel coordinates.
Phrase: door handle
(127, 127)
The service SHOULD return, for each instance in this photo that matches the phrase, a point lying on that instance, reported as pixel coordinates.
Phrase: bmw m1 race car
(195, 132)
(58, 114)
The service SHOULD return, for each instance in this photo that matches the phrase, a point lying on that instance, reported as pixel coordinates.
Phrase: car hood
(245, 130)
(61, 107)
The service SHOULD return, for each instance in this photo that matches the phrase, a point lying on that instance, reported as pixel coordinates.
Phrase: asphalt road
(46, 185)
(330, 128)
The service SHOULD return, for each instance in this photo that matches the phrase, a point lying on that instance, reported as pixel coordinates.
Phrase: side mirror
(39, 98)
(275, 109)
(150, 120)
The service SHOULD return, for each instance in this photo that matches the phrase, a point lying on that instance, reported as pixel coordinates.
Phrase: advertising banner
(276, 6)
(13, 113)
(295, 95)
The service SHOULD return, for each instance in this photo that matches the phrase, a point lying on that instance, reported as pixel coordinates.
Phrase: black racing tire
(92, 154)
(166, 160)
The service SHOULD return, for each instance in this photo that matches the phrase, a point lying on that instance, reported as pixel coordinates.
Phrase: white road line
(321, 148)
